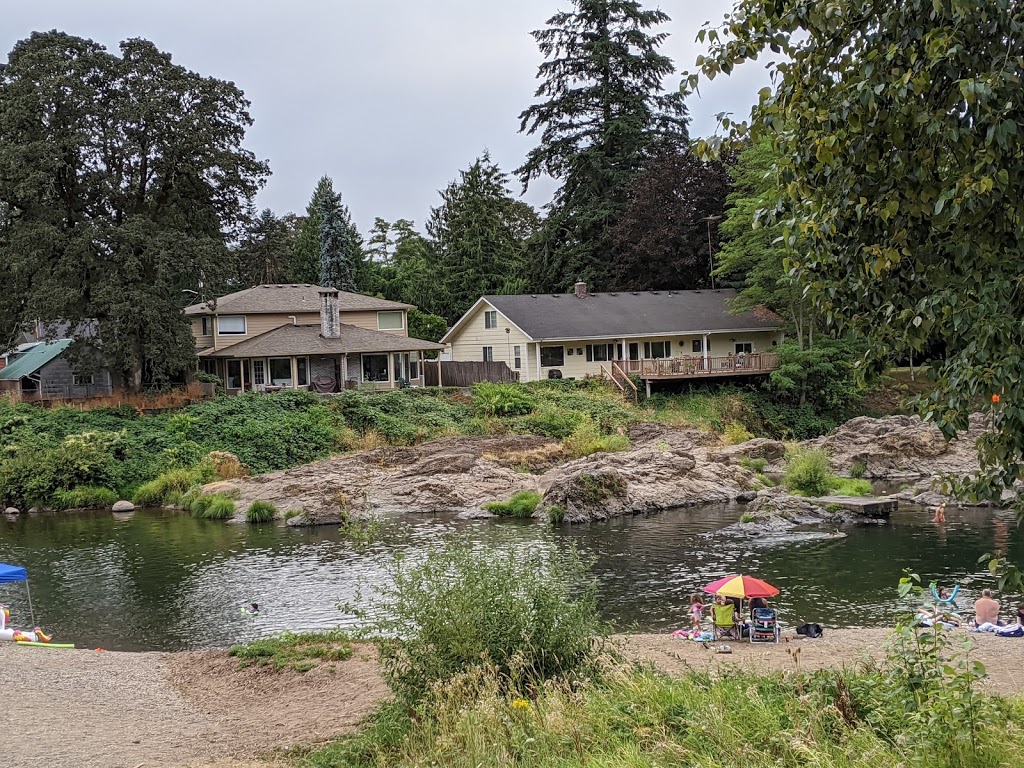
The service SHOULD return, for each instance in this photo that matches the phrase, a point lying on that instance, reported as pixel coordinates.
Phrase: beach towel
(1011, 630)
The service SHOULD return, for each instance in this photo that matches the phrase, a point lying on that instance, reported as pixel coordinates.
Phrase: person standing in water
(940, 513)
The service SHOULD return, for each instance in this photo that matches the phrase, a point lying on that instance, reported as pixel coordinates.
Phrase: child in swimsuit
(696, 611)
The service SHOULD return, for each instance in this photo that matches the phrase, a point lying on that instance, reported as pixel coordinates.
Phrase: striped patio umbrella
(741, 586)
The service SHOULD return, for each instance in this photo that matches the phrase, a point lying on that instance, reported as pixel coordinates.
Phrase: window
(744, 347)
(208, 366)
(302, 364)
(375, 367)
(516, 353)
(552, 357)
(281, 371)
(231, 325)
(599, 353)
(634, 350)
(390, 321)
(414, 366)
(207, 325)
(490, 319)
(698, 346)
(84, 380)
(488, 354)
(657, 349)
(259, 372)
(234, 378)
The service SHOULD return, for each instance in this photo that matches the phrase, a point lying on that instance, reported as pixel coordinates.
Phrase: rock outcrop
(900, 447)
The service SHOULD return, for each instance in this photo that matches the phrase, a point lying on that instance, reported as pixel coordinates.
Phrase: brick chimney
(330, 314)
(580, 289)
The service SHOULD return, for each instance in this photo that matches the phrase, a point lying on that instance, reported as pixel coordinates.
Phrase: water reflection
(161, 581)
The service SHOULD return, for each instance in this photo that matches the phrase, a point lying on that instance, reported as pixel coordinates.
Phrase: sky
(390, 98)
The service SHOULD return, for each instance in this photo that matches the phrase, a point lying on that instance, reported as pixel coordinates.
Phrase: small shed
(39, 371)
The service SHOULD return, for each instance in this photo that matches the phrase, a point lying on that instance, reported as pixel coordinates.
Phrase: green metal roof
(27, 363)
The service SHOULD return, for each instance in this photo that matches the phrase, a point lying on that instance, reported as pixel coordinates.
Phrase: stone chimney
(581, 290)
(330, 314)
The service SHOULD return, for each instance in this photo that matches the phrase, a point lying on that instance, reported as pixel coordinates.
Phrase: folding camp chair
(723, 621)
(764, 626)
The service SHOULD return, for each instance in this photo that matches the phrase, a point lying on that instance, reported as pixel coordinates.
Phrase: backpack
(810, 630)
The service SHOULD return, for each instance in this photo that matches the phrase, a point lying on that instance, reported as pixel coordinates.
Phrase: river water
(159, 580)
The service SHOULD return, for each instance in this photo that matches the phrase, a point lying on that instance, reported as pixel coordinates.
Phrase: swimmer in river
(252, 610)
(940, 513)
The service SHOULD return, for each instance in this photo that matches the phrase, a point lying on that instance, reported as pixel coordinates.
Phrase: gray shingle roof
(300, 340)
(288, 299)
(626, 313)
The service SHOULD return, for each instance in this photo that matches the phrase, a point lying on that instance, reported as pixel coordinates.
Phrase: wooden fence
(458, 373)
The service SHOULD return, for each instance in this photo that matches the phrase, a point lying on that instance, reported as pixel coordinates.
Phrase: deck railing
(696, 366)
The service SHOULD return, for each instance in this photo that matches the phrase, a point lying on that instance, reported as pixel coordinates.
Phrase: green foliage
(479, 232)
(808, 473)
(843, 486)
(426, 326)
(556, 514)
(754, 465)
(593, 489)
(603, 115)
(533, 616)
(157, 492)
(260, 512)
(747, 518)
(521, 504)
(304, 266)
(858, 469)
(824, 376)
(735, 433)
(901, 165)
(265, 252)
(587, 439)
(213, 507)
(83, 497)
(503, 399)
(341, 247)
(549, 420)
(298, 651)
(103, 222)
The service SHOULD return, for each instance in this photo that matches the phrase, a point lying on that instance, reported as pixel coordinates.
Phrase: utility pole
(711, 259)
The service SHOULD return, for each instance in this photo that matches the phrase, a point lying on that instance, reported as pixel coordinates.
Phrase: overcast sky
(388, 97)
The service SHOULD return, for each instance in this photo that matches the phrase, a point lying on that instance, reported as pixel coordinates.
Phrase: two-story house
(292, 336)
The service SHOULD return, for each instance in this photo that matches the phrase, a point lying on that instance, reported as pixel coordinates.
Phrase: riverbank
(84, 709)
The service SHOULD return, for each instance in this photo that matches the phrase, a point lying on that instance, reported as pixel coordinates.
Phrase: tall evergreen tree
(479, 232)
(604, 113)
(305, 260)
(266, 250)
(341, 247)
(124, 178)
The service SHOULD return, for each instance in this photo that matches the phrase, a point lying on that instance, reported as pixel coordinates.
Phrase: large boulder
(123, 506)
(900, 447)
(12, 511)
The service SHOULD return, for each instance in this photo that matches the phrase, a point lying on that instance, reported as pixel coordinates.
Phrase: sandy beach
(89, 709)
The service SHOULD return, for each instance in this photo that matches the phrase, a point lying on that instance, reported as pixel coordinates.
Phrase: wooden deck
(696, 366)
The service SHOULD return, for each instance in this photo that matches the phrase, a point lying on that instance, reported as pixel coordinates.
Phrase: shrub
(852, 487)
(549, 421)
(735, 433)
(502, 399)
(754, 465)
(521, 504)
(260, 512)
(556, 514)
(808, 473)
(858, 469)
(533, 616)
(158, 492)
(586, 440)
(293, 513)
(84, 497)
(213, 507)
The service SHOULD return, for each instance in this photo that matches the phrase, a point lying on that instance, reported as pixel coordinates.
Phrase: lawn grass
(298, 651)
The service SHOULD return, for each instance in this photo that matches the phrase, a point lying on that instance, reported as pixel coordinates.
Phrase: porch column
(648, 383)
(295, 372)
(705, 345)
(538, 361)
(241, 376)
(625, 353)
(342, 371)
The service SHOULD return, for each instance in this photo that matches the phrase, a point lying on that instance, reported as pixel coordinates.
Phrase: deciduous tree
(899, 131)
(123, 179)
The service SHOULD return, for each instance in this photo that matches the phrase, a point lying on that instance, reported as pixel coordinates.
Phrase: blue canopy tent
(17, 573)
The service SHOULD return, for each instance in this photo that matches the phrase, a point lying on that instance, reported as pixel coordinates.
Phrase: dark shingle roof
(609, 315)
(288, 299)
(299, 340)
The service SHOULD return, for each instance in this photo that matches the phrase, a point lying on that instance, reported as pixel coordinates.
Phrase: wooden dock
(876, 507)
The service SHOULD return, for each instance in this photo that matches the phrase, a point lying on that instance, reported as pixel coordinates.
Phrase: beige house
(655, 335)
(298, 336)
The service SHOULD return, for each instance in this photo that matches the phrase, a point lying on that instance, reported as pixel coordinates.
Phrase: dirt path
(83, 709)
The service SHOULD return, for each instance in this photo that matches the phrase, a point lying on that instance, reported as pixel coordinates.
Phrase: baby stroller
(764, 626)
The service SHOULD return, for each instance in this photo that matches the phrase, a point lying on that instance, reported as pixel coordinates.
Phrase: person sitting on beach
(1020, 614)
(696, 610)
(986, 609)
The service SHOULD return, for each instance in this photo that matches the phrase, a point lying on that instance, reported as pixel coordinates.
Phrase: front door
(234, 375)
